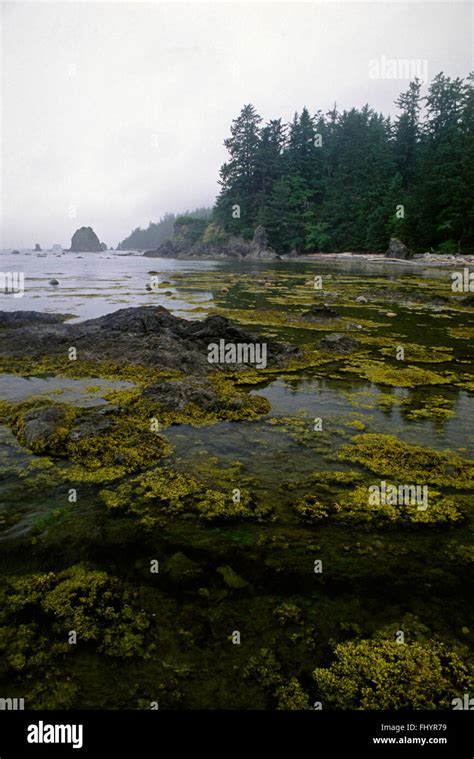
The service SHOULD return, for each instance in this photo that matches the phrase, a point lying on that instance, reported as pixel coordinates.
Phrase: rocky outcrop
(85, 240)
(149, 335)
(103, 246)
(320, 314)
(43, 425)
(38, 247)
(397, 249)
(13, 319)
(337, 343)
(233, 247)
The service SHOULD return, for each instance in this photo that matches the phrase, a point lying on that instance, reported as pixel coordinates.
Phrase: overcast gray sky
(114, 113)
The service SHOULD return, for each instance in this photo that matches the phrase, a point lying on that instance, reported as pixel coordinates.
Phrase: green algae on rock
(388, 456)
(161, 494)
(382, 673)
(93, 438)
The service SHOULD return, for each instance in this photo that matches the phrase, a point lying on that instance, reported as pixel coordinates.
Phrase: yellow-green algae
(355, 507)
(387, 456)
(382, 673)
(397, 376)
(37, 613)
(127, 444)
(162, 493)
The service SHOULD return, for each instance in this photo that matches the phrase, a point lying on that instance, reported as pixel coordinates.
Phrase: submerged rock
(231, 578)
(181, 569)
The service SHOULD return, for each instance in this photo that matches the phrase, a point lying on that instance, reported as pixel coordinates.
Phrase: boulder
(337, 343)
(320, 313)
(53, 282)
(44, 425)
(38, 247)
(103, 246)
(397, 249)
(85, 240)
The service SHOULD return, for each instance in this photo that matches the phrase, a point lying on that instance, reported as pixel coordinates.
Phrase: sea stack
(38, 246)
(85, 240)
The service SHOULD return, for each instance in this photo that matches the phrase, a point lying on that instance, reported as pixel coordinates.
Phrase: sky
(114, 113)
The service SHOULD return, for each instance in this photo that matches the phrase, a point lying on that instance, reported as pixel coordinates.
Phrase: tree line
(350, 180)
(158, 232)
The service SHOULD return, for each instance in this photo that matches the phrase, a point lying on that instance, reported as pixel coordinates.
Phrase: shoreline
(424, 259)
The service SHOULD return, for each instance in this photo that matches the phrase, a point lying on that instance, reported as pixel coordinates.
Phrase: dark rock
(12, 319)
(16, 252)
(397, 249)
(147, 335)
(85, 240)
(93, 423)
(37, 247)
(42, 425)
(320, 313)
(233, 247)
(337, 343)
(175, 396)
(53, 282)
(103, 246)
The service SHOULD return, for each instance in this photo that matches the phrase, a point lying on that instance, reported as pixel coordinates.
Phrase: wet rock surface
(320, 313)
(150, 336)
(337, 343)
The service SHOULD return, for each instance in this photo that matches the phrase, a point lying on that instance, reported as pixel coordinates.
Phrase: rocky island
(85, 240)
